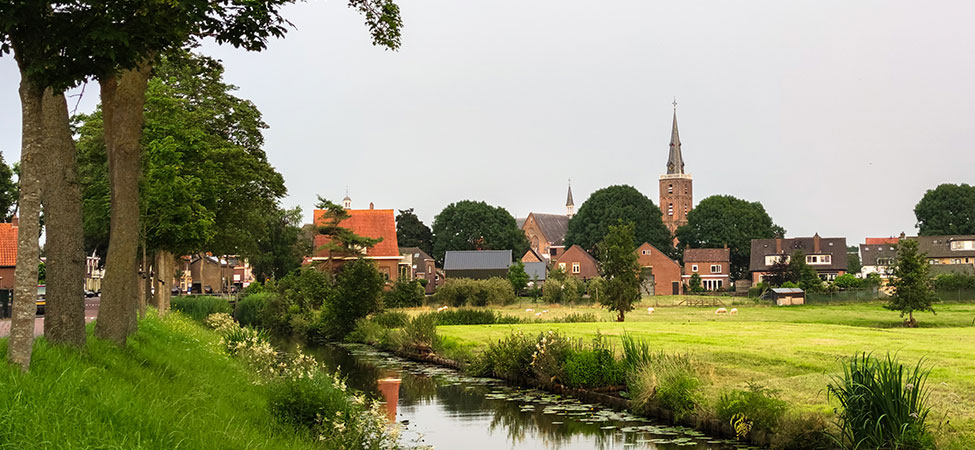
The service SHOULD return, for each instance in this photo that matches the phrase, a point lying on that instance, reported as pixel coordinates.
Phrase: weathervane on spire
(675, 103)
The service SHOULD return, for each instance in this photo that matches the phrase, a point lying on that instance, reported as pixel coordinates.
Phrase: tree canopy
(8, 190)
(946, 209)
(911, 282)
(411, 232)
(721, 220)
(621, 268)
(610, 205)
(473, 225)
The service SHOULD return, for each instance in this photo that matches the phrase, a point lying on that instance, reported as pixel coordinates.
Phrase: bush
(668, 381)
(593, 367)
(199, 307)
(758, 405)
(561, 292)
(404, 294)
(575, 318)
(465, 291)
(420, 334)
(391, 319)
(358, 293)
(801, 432)
(848, 281)
(883, 404)
(471, 316)
(510, 357)
(954, 282)
(306, 288)
(250, 309)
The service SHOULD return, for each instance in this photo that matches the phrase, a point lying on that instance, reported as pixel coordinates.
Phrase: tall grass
(170, 387)
(199, 307)
(883, 404)
(668, 381)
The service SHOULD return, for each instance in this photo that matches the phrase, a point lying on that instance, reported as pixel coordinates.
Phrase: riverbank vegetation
(172, 386)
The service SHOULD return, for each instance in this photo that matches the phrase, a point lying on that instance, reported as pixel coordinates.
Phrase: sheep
(721, 311)
(442, 308)
(529, 310)
(545, 311)
(733, 311)
(650, 310)
(538, 314)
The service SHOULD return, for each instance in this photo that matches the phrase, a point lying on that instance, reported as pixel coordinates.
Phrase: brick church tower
(676, 193)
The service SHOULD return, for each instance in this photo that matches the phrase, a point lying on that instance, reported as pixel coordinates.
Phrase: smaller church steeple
(347, 201)
(570, 206)
(675, 162)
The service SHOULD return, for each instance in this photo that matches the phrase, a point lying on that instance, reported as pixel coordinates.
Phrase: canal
(443, 409)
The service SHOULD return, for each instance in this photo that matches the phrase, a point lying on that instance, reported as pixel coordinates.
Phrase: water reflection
(441, 408)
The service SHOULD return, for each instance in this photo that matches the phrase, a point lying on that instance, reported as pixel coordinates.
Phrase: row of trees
(117, 43)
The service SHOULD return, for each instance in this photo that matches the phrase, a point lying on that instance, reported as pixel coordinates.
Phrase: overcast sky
(835, 115)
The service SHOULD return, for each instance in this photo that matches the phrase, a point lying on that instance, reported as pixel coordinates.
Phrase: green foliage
(470, 225)
(803, 274)
(250, 309)
(668, 381)
(721, 220)
(596, 288)
(466, 291)
(759, 405)
(576, 318)
(789, 284)
(199, 307)
(621, 268)
(954, 281)
(411, 232)
(391, 319)
(41, 272)
(9, 190)
(848, 281)
(358, 293)
(802, 431)
(694, 283)
(883, 404)
(341, 241)
(593, 366)
(636, 353)
(305, 289)
(853, 264)
(279, 248)
(471, 316)
(509, 357)
(404, 294)
(609, 206)
(517, 277)
(911, 282)
(946, 209)
(563, 292)
(420, 334)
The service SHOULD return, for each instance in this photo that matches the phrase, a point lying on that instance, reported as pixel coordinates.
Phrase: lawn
(795, 350)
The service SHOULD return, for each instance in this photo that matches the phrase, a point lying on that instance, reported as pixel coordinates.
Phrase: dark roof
(675, 161)
(568, 198)
(567, 255)
(940, 246)
(415, 251)
(870, 253)
(835, 247)
(787, 290)
(944, 269)
(520, 222)
(535, 270)
(533, 252)
(707, 254)
(553, 226)
(476, 259)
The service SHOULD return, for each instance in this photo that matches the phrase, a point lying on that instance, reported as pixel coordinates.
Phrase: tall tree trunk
(24, 308)
(64, 316)
(123, 99)
(163, 279)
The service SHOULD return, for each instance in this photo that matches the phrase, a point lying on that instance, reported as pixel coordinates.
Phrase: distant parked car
(41, 298)
(90, 293)
(207, 289)
(174, 291)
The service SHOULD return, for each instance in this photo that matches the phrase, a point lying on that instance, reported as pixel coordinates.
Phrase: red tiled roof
(371, 223)
(8, 245)
(879, 241)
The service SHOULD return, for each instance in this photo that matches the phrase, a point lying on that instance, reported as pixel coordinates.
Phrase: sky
(835, 115)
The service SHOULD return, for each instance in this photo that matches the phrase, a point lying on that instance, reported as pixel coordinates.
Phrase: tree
(853, 264)
(411, 232)
(721, 220)
(358, 294)
(472, 225)
(694, 283)
(8, 190)
(848, 281)
(803, 274)
(946, 209)
(621, 269)
(279, 249)
(911, 282)
(518, 277)
(341, 241)
(606, 207)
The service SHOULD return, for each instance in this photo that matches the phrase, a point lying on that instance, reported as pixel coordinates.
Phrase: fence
(956, 295)
(847, 296)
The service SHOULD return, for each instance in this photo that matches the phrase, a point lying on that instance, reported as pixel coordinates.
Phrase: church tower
(676, 193)
(570, 206)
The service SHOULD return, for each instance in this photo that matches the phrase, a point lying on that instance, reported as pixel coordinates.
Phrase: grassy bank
(171, 387)
(793, 350)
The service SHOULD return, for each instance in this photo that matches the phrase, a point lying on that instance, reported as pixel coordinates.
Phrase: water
(443, 409)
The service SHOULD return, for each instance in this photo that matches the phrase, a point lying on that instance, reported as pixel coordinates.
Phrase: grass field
(795, 350)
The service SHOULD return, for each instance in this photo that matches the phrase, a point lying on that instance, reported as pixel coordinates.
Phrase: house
(665, 272)
(532, 256)
(947, 250)
(827, 256)
(536, 272)
(546, 233)
(877, 255)
(94, 273)
(578, 263)
(788, 296)
(418, 265)
(713, 265)
(476, 264)
(209, 274)
(370, 223)
(8, 253)
(241, 273)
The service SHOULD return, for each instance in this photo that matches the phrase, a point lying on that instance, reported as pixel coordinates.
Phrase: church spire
(675, 163)
(569, 204)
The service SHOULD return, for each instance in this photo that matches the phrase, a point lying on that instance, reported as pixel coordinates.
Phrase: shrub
(472, 316)
(561, 291)
(358, 293)
(847, 281)
(596, 288)
(593, 367)
(636, 353)
(199, 307)
(404, 294)
(250, 309)
(464, 291)
(550, 353)
(420, 334)
(391, 319)
(306, 288)
(509, 357)
(883, 404)
(758, 405)
(669, 381)
(575, 318)
(954, 281)
(801, 432)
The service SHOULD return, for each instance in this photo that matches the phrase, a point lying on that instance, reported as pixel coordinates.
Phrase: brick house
(713, 265)
(546, 233)
(209, 274)
(877, 255)
(827, 256)
(371, 223)
(418, 265)
(578, 263)
(531, 256)
(666, 272)
(8, 253)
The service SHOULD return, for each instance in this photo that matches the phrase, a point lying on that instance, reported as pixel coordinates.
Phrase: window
(956, 261)
(562, 267)
(385, 272)
(576, 268)
(670, 209)
(670, 188)
(645, 252)
(694, 268)
(885, 261)
(819, 259)
(552, 251)
(715, 268)
(771, 260)
(963, 245)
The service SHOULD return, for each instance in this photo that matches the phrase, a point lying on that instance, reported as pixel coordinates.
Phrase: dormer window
(963, 245)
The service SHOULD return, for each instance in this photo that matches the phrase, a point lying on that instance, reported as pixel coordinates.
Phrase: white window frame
(562, 267)
(576, 267)
(694, 268)
(715, 268)
(771, 260)
(645, 252)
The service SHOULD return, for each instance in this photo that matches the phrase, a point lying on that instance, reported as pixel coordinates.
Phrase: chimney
(778, 246)
(902, 233)
(14, 221)
(816, 239)
(371, 206)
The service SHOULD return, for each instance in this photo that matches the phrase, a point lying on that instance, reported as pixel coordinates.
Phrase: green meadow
(795, 350)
